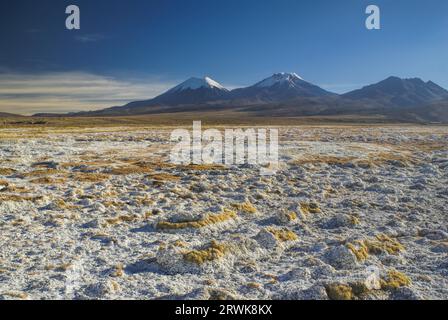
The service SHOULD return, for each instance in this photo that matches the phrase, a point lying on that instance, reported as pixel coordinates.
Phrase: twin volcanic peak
(277, 88)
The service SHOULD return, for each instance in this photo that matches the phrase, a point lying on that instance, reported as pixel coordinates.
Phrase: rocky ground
(102, 214)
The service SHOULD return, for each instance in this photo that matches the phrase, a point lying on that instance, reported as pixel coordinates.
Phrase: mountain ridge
(288, 94)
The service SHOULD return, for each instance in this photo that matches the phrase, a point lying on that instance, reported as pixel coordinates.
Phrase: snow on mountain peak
(282, 77)
(196, 83)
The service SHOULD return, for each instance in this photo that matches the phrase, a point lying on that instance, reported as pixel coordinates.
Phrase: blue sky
(136, 49)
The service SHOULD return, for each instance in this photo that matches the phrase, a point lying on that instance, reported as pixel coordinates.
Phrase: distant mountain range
(287, 94)
(8, 115)
(403, 93)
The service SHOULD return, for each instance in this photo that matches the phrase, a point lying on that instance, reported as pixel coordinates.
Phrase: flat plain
(99, 212)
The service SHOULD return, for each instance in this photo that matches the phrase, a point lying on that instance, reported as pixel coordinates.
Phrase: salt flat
(100, 213)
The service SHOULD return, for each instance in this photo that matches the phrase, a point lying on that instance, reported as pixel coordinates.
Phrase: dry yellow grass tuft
(204, 167)
(15, 189)
(63, 267)
(121, 219)
(127, 170)
(144, 200)
(394, 280)
(89, 177)
(17, 222)
(41, 172)
(213, 252)
(16, 295)
(359, 249)
(18, 198)
(382, 158)
(283, 234)
(113, 203)
(207, 221)
(48, 180)
(61, 204)
(118, 271)
(337, 291)
(180, 244)
(246, 207)
(360, 288)
(354, 220)
(291, 216)
(310, 207)
(323, 159)
(253, 285)
(163, 177)
(153, 164)
(7, 171)
(381, 243)
(4, 183)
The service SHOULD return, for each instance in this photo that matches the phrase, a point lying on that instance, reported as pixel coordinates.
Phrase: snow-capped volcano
(279, 87)
(192, 91)
(196, 83)
(279, 78)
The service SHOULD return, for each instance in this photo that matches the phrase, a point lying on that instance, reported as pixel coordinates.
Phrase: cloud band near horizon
(61, 92)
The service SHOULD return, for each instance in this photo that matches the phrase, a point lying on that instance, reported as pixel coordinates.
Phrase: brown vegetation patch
(349, 291)
(16, 295)
(164, 177)
(48, 180)
(426, 146)
(246, 207)
(89, 177)
(7, 171)
(381, 243)
(41, 172)
(152, 164)
(127, 170)
(61, 204)
(205, 167)
(337, 291)
(113, 203)
(283, 234)
(214, 252)
(208, 220)
(14, 189)
(118, 271)
(144, 200)
(359, 249)
(384, 158)
(310, 207)
(394, 280)
(59, 268)
(323, 159)
(19, 198)
(122, 219)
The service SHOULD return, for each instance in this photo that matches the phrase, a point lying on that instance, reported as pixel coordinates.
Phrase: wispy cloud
(72, 91)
